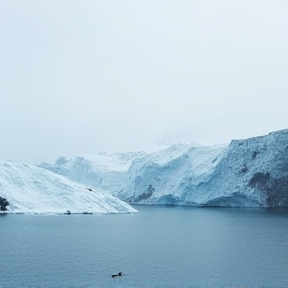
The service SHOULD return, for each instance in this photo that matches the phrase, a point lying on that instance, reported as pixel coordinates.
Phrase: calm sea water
(157, 247)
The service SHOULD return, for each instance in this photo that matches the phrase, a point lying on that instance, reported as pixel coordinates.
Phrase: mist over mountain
(245, 173)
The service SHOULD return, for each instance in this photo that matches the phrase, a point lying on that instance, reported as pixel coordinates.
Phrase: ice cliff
(30, 189)
(246, 173)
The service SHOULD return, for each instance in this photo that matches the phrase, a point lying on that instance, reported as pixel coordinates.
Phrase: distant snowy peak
(121, 162)
(102, 161)
(30, 189)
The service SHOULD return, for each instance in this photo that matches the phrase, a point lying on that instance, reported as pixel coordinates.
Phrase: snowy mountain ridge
(250, 173)
(30, 189)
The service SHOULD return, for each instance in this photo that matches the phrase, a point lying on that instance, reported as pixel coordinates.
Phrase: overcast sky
(90, 76)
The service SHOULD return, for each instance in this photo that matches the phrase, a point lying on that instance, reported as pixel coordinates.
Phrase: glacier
(250, 172)
(31, 189)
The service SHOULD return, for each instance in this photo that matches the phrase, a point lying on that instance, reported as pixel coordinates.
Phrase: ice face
(183, 174)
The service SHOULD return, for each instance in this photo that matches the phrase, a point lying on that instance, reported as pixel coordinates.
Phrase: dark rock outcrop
(146, 194)
(3, 204)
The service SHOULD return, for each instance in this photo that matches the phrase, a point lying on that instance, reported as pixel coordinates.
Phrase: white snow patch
(30, 189)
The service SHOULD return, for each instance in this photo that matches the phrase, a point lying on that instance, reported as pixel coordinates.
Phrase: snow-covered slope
(251, 172)
(30, 189)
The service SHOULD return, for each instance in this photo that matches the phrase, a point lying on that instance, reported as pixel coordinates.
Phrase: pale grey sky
(91, 76)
